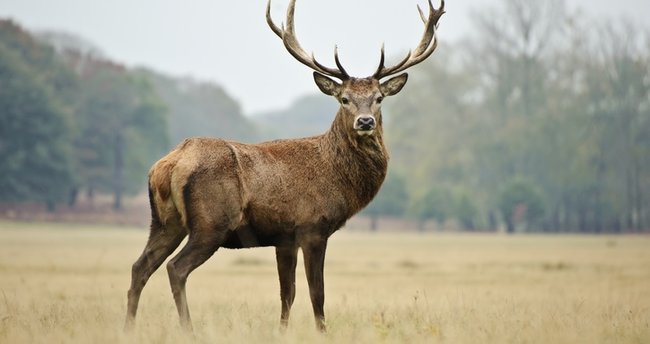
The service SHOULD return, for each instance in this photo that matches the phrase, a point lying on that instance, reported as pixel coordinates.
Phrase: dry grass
(61, 284)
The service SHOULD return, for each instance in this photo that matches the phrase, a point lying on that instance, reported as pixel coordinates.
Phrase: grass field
(64, 284)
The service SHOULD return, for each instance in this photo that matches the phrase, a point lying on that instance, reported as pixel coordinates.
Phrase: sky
(229, 42)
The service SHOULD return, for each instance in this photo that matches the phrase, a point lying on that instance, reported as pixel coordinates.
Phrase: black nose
(366, 123)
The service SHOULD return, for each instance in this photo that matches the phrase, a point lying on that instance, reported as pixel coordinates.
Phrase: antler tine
(382, 58)
(382, 71)
(338, 62)
(424, 49)
(344, 75)
(288, 36)
(424, 19)
(269, 21)
(429, 33)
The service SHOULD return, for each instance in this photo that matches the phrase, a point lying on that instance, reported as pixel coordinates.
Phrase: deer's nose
(365, 123)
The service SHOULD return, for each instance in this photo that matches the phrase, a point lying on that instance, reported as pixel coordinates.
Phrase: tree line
(74, 121)
(537, 121)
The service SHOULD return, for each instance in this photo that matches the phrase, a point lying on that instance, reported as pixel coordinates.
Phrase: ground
(67, 283)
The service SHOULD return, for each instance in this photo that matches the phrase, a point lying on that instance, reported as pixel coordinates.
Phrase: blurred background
(530, 116)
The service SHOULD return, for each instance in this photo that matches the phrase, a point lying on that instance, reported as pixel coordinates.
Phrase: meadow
(67, 283)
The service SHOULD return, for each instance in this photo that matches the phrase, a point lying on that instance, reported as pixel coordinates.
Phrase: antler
(423, 50)
(288, 36)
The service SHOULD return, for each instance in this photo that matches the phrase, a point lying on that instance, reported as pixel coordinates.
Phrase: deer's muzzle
(365, 123)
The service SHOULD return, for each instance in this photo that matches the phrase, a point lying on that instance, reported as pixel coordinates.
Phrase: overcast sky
(228, 42)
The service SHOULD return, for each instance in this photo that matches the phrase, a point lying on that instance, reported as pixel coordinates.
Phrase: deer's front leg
(314, 256)
(286, 258)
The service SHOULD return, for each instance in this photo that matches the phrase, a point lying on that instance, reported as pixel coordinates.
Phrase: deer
(292, 194)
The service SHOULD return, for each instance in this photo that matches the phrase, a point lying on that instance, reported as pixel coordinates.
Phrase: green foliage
(69, 109)
(440, 203)
(390, 201)
(35, 160)
(435, 204)
(465, 210)
(72, 112)
(520, 201)
(122, 128)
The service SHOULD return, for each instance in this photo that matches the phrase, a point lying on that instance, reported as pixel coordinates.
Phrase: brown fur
(286, 193)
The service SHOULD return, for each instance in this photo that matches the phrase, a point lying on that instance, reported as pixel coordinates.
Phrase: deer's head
(360, 98)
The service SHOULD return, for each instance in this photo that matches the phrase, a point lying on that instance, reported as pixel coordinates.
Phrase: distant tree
(465, 210)
(513, 38)
(35, 159)
(618, 92)
(390, 201)
(436, 204)
(122, 128)
(147, 133)
(520, 202)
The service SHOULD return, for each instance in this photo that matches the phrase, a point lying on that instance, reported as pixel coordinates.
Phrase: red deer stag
(289, 194)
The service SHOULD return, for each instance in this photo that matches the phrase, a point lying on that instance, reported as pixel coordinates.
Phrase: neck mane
(360, 161)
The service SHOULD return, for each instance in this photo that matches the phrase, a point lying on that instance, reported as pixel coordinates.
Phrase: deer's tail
(163, 207)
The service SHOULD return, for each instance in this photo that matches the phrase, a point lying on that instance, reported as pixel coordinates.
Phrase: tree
(618, 90)
(35, 120)
(435, 204)
(122, 127)
(513, 39)
(34, 144)
(465, 210)
(390, 201)
(520, 202)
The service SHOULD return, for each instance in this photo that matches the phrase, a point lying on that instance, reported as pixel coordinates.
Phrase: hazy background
(229, 42)
(530, 116)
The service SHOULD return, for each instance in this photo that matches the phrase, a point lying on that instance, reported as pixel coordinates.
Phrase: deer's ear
(327, 85)
(393, 85)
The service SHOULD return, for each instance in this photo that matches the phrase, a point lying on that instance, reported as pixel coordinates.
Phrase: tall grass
(63, 285)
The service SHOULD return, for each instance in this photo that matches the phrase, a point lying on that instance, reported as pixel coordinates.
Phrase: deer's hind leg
(163, 240)
(207, 223)
(213, 208)
(198, 249)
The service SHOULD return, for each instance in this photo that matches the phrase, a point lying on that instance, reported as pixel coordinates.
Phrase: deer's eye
(345, 101)
(379, 99)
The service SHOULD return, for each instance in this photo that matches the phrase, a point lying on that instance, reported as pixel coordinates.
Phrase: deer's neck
(359, 161)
